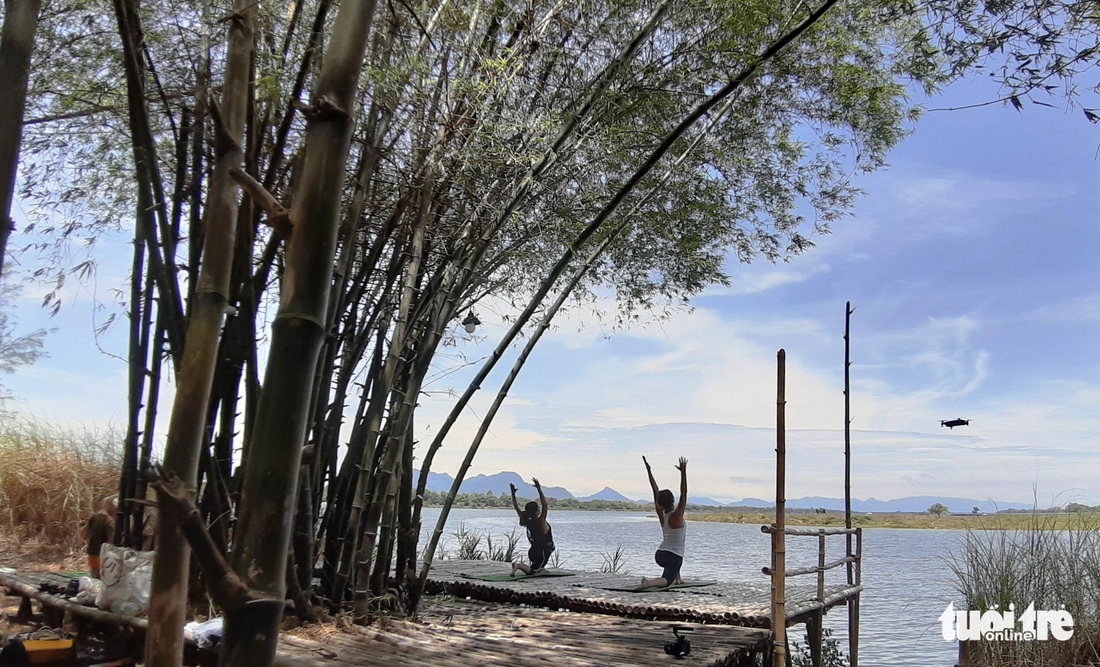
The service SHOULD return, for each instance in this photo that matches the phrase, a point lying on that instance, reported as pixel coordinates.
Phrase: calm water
(906, 581)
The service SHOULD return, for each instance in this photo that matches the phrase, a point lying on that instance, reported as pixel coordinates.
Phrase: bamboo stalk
(795, 572)
(811, 532)
(853, 605)
(77, 610)
(779, 553)
(187, 428)
(16, 45)
(271, 476)
(821, 566)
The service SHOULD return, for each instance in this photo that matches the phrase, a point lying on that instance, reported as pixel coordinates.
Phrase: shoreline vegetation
(1056, 517)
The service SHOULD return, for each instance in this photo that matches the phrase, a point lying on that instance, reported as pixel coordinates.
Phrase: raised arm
(515, 504)
(653, 485)
(542, 502)
(679, 511)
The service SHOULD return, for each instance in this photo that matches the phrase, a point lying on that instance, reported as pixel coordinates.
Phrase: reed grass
(52, 479)
(1052, 562)
(614, 562)
(503, 550)
(468, 544)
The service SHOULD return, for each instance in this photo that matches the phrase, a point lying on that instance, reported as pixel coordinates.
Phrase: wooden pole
(779, 549)
(847, 431)
(814, 625)
(853, 603)
(16, 44)
(821, 565)
(814, 635)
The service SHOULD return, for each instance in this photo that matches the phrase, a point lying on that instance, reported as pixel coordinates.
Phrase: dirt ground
(35, 556)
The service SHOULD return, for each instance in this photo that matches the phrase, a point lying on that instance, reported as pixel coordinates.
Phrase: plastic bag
(89, 590)
(127, 577)
(205, 634)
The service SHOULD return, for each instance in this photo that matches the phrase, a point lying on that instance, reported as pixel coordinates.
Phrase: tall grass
(1052, 563)
(52, 479)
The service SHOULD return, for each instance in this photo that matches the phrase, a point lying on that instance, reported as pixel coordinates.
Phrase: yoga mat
(687, 584)
(519, 575)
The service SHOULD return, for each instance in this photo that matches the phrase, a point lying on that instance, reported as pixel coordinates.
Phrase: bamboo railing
(852, 556)
(822, 601)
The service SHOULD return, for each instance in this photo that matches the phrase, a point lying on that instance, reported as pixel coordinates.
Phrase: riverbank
(925, 520)
(1007, 520)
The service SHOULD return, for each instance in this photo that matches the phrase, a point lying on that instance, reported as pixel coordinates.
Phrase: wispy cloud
(764, 277)
(1080, 310)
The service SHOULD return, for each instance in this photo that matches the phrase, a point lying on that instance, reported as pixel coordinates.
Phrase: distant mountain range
(498, 483)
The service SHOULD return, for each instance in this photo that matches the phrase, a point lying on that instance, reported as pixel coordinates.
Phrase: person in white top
(670, 554)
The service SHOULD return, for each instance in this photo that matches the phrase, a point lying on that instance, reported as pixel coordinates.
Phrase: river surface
(906, 579)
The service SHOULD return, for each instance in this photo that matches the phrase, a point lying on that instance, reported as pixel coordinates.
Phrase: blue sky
(972, 266)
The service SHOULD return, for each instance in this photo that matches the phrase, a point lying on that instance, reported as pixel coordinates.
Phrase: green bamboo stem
(282, 419)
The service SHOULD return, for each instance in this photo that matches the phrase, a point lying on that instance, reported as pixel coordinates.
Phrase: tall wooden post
(853, 602)
(814, 626)
(16, 44)
(779, 548)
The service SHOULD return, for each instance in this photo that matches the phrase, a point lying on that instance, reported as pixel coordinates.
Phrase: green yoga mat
(686, 584)
(519, 575)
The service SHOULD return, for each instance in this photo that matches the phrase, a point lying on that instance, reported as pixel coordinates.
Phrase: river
(906, 578)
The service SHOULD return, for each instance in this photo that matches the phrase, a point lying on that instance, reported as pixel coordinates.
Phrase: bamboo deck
(470, 633)
(530, 621)
(741, 604)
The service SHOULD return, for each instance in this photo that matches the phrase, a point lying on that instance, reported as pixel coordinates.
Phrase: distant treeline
(1071, 507)
(488, 500)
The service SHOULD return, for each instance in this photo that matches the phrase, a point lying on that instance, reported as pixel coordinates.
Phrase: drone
(952, 423)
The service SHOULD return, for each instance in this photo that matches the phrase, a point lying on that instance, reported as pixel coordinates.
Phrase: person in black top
(539, 532)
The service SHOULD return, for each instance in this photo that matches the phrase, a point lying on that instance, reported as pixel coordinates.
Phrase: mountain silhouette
(607, 493)
(495, 484)
(498, 484)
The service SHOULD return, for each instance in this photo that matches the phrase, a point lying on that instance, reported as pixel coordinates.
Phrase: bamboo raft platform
(455, 632)
(525, 621)
(471, 633)
(741, 604)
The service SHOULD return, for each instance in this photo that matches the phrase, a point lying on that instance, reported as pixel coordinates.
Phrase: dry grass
(51, 480)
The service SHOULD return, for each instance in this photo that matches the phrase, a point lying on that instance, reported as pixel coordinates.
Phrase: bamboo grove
(319, 193)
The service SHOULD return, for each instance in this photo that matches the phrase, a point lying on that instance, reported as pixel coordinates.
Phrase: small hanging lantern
(470, 323)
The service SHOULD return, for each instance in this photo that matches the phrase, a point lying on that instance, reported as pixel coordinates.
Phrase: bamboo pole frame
(853, 566)
(779, 552)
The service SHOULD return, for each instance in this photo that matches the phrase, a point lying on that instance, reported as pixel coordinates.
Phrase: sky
(970, 262)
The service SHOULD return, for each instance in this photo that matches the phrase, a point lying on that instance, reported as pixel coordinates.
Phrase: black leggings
(671, 563)
(539, 557)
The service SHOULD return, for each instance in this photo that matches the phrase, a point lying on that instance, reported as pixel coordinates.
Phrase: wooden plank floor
(743, 604)
(465, 633)
(535, 621)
